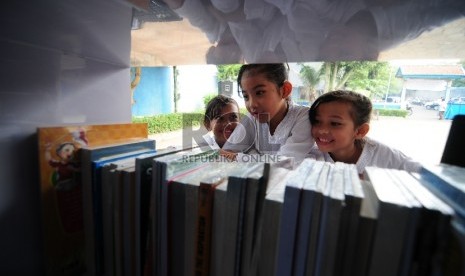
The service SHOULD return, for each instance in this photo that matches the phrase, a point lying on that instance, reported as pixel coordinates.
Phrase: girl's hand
(228, 154)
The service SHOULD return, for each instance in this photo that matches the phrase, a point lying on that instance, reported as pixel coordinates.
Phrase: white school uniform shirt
(291, 139)
(374, 154)
(200, 17)
(300, 26)
(209, 140)
(409, 19)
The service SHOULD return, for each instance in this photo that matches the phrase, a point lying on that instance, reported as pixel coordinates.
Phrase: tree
(372, 77)
(310, 77)
(459, 82)
(228, 72)
(176, 94)
(369, 76)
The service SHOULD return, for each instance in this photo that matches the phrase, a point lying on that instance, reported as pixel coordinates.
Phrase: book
(107, 220)
(128, 222)
(194, 233)
(433, 228)
(117, 180)
(235, 215)
(203, 244)
(120, 162)
(366, 228)
(397, 215)
(447, 182)
(253, 220)
(165, 169)
(220, 216)
(314, 233)
(308, 215)
(61, 190)
(92, 160)
(144, 213)
(330, 222)
(290, 215)
(347, 240)
(411, 234)
(218, 224)
(136, 172)
(272, 207)
(177, 224)
(109, 187)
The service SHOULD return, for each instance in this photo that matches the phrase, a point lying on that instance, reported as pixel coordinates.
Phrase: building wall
(195, 82)
(457, 92)
(154, 93)
(63, 62)
(425, 84)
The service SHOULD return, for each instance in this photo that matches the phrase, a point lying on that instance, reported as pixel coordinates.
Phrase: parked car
(417, 102)
(432, 105)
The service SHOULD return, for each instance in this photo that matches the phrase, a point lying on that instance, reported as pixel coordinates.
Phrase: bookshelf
(63, 62)
(263, 219)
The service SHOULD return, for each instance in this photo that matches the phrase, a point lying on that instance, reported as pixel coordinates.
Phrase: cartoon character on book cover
(64, 177)
(62, 197)
(61, 188)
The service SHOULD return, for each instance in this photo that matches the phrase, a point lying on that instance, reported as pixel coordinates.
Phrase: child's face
(223, 125)
(67, 152)
(334, 130)
(263, 99)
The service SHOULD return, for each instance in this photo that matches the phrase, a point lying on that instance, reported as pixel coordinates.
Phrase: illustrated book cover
(61, 190)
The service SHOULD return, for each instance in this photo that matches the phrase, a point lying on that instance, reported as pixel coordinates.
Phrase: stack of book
(189, 212)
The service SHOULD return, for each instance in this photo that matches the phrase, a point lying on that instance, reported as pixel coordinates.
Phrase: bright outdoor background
(166, 90)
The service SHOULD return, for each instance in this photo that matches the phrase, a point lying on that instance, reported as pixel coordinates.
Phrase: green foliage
(459, 82)
(371, 76)
(169, 122)
(309, 75)
(175, 121)
(356, 75)
(228, 72)
(337, 73)
(207, 99)
(393, 112)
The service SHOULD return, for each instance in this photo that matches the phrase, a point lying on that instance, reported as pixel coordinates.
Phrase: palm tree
(370, 76)
(310, 77)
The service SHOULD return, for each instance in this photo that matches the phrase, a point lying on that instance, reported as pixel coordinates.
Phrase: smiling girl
(340, 122)
(220, 119)
(274, 125)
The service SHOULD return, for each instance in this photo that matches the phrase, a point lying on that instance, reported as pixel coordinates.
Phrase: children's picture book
(61, 189)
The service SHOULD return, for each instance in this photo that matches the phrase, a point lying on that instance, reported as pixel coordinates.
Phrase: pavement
(421, 136)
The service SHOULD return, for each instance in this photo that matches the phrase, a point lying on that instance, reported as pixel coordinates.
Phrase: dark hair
(361, 105)
(62, 145)
(214, 107)
(274, 72)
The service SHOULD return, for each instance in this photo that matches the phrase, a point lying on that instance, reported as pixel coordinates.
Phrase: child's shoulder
(298, 113)
(298, 109)
(380, 148)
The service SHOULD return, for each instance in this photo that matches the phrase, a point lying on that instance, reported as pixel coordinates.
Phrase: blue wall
(154, 93)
